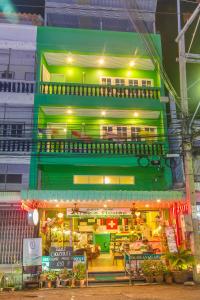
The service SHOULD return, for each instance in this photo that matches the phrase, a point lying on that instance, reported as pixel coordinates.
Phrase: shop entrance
(104, 235)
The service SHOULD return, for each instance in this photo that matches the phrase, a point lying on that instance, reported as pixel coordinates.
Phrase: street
(152, 292)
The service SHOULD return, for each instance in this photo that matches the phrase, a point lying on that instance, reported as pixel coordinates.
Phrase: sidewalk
(144, 292)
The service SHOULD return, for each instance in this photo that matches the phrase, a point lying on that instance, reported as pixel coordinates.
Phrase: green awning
(92, 195)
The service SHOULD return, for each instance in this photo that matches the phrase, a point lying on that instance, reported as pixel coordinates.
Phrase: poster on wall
(61, 257)
(32, 252)
(171, 239)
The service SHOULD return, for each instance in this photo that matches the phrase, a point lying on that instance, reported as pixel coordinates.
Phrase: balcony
(16, 86)
(85, 147)
(101, 147)
(92, 90)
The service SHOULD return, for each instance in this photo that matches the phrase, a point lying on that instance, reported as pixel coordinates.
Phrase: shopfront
(106, 231)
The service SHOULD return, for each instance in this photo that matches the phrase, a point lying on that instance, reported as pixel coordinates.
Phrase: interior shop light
(103, 113)
(135, 114)
(69, 111)
(106, 180)
(69, 59)
(158, 200)
(60, 215)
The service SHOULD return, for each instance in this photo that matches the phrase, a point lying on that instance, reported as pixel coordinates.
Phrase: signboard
(76, 260)
(143, 256)
(61, 257)
(32, 252)
(171, 240)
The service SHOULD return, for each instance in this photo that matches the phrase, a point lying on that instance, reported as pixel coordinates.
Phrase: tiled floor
(104, 263)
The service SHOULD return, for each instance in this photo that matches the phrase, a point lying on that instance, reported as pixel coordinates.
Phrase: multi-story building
(100, 156)
(102, 15)
(17, 85)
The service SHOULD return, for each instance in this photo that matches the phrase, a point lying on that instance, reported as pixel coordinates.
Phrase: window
(122, 132)
(96, 179)
(2, 178)
(135, 134)
(14, 178)
(106, 81)
(133, 82)
(119, 81)
(107, 132)
(10, 178)
(7, 75)
(129, 133)
(14, 130)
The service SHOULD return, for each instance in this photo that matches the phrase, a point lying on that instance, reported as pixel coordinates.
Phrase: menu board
(171, 240)
(61, 257)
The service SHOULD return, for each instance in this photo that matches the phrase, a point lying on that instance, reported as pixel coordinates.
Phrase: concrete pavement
(146, 292)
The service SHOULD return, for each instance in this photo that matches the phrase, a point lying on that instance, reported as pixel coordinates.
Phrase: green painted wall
(92, 75)
(61, 177)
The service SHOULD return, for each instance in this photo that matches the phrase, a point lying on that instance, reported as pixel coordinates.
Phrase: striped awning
(92, 195)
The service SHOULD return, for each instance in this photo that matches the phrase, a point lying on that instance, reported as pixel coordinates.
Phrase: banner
(32, 252)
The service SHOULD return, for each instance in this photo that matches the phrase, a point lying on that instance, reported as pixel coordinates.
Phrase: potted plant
(168, 275)
(50, 278)
(180, 262)
(64, 277)
(71, 278)
(147, 268)
(80, 274)
(159, 271)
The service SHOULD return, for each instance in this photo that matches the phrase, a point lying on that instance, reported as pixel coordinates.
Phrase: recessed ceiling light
(103, 113)
(135, 114)
(69, 111)
(69, 59)
(132, 63)
(101, 61)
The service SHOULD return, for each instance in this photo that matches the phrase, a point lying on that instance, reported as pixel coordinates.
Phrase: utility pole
(187, 141)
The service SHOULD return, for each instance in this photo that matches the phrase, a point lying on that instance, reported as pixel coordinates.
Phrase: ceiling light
(135, 114)
(60, 215)
(147, 205)
(132, 63)
(69, 111)
(158, 200)
(103, 113)
(69, 59)
(65, 130)
(105, 205)
(101, 61)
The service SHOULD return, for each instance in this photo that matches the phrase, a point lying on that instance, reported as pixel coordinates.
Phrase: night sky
(167, 26)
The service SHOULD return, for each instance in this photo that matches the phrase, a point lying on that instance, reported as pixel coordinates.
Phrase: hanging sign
(32, 252)
(61, 257)
(171, 240)
(111, 224)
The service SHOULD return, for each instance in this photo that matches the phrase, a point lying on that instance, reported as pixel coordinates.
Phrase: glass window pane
(95, 179)
(127, 180)
(14, 178)
(2, 178)
(78, 179)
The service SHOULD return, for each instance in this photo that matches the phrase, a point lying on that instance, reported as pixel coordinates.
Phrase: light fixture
(147, 205)
(69, 111)
(65, 130)
(135, 114)
(132, 63)
(137, 213)
(69, 59)
(103, 113)
(105, 205)
(101, 61)
(106, 180)
(60, 215)
(158, 200)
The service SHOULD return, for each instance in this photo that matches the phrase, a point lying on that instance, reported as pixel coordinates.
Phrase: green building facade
(99, 119)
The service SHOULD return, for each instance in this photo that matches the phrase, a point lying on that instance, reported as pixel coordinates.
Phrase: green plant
(51, 276)
(80, 271)
(158, 268)
(148, 267)
(180, 260)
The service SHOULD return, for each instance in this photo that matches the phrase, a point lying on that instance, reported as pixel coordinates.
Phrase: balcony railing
(92, 90)
(84, 147)
(22, 146)
(100, 147)
(16, 86)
